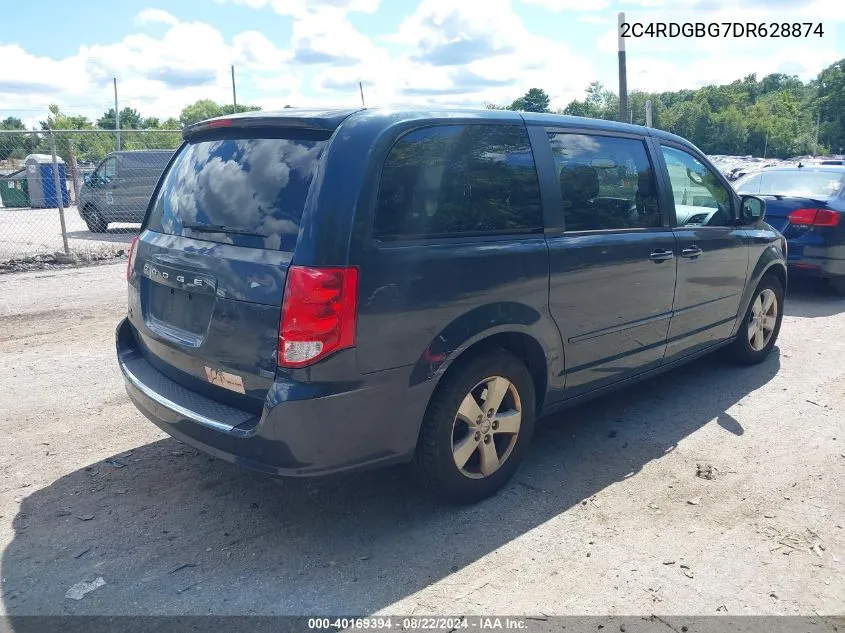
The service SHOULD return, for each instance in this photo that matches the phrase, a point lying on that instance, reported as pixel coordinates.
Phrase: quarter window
(459, 180)
(607, 182)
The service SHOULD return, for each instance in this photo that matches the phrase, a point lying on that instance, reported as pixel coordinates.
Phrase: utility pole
(361, 88)
(766, 146)
(623, 72)
(234, 93)
(649, 113)
(818, 122)
(116, 117)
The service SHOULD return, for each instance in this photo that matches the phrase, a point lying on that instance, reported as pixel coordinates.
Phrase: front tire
(95, 221)
(476, 429)
(759, 330)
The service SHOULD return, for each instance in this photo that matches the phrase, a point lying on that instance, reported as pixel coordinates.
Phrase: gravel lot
(608, 516)
(27, 232)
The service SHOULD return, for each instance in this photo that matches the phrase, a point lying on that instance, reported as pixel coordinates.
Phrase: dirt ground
(607, 516)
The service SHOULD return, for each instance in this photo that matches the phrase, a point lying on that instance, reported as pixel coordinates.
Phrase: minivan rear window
(252, 189)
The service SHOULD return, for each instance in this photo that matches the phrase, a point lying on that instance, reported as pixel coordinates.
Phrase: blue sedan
(806, 204)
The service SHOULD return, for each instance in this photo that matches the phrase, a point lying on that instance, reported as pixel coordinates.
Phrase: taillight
(826, 217)
(131, 263)
(319, 314)
(814, 217)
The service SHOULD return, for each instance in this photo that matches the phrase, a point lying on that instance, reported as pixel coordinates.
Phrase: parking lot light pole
(623, 73)
(116, 117)
(234, 92)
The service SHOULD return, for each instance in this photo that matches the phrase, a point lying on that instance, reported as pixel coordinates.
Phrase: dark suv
(323, 291)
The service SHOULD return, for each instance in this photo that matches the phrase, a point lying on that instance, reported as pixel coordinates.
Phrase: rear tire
(95, 221)
(465, 424)
(760, 327)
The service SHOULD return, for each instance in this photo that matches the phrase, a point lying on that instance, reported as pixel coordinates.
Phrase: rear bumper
(304, 429)
(806, 260)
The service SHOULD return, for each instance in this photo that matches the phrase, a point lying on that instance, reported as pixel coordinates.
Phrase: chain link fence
(68, 195)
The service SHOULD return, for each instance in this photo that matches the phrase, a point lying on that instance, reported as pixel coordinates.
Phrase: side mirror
(695, 176)
(753, 209)
(87, 179)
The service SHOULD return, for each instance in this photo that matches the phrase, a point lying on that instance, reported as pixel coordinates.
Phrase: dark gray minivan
(324, 291)
(119, 190)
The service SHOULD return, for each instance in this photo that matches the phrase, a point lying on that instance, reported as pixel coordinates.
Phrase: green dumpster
(14, 190)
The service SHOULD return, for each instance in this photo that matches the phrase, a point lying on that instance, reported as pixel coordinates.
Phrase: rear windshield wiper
(220, 228)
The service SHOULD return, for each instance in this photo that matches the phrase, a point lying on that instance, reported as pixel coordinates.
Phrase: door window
(607, 182)
(109, 168)
(700, 197)
(459, 180)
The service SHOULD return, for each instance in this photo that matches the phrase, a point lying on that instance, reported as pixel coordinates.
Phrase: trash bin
(42, 184)
(14, 190)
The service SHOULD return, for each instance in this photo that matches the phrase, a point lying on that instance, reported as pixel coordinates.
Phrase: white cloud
(443, 53)
(157, 75)
(253, 50)
(303, 7)
(153, 16)
(329, 38)
(590, 18)
(570, 5)
(473, 53)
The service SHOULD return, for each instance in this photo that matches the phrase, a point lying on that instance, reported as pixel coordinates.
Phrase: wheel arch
(771, 262)
(521, 344)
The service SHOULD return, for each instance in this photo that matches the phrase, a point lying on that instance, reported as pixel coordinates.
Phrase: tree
(15, 145)
(535, 100)
(208, 109)
(636, 103)
(230, 109)
(729, 134)
(775, 115)
(830, 104)
(598, 104)
(88, 147)
(130, 119)
(199, 111)
(582, 108)
(57, 120)
(12, 123)
(689, 119)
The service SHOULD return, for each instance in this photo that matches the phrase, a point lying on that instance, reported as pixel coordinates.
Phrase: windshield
(797, 182)
(254, 187)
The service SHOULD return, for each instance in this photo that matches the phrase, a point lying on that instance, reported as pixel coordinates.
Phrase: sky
(455, 53)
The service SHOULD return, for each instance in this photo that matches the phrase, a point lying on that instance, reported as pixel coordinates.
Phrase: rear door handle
(691, 252)
(661, 256)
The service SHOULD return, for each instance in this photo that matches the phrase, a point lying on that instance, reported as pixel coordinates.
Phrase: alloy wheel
(764, 316)
(486, 427)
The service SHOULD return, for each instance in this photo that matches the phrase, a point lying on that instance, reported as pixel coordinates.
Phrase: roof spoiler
(326, 125)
